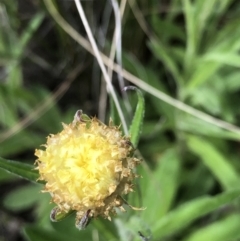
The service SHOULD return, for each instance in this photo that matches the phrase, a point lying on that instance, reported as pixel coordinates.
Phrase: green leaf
(204, 70)
(231, 59)
(22, 198)
(191, 34)
(128, 231)
(190, 211)
(162, 53)
(136, 126)
(196, 181)
(20, 169)
(34, 233)
(157, 188)
(29, 31)
(4, 176)
(215, 161)
(162, 183)
(21, 141)
(191, 124)
(174, 31)
(64, 230)
(226, 229)
(233, 81)
(169, 170)
(152, 78)
(203, 11)
(113, 112)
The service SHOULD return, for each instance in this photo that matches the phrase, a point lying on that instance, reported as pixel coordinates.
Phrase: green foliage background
(183, 49)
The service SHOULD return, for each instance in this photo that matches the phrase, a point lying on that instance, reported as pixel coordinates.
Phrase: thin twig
(118, 40)
(102, 105)
(139, 16)
(103, 96)
(101, 64)
(117, 46)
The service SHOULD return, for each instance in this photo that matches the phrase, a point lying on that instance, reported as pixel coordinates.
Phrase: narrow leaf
(29, 31)
(193, 125)
(113, 112)
(190, 211)
(162, 53)
(215, 161)
(136, 126)
(163, 183)
(34, 233)
(231, 59)
(169, 172)
(191, 34)
(20, 169)
(16, 200)
(226, 229)
(204, 70)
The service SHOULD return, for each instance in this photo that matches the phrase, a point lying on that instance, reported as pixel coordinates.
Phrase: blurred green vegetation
(186, 49)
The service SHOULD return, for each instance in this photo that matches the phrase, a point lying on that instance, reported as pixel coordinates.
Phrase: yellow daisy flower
(87, 167)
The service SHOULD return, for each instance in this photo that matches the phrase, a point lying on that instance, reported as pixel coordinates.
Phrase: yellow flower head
(87, 166)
